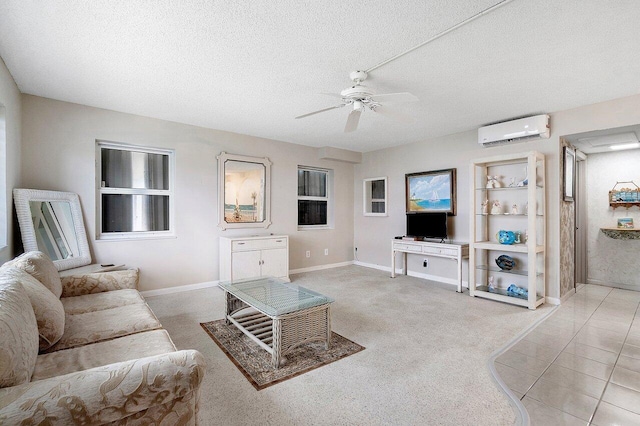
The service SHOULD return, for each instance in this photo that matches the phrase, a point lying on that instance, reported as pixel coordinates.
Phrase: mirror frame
(264, 161)
(22, 197)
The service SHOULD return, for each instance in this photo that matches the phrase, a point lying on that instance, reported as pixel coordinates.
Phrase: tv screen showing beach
(431, 191)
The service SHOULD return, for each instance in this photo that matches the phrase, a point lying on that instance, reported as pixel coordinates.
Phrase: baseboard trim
(179, 289)
(321, 267)
(449, 281)
(552, 300)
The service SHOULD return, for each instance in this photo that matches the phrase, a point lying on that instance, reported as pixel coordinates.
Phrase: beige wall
(59, 154)
(372, 235)
(611, 262)
(10, 99)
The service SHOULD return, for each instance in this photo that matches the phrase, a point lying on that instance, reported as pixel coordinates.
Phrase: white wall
(59, 154)
(10, 99)
(372, 235)
(611, 262)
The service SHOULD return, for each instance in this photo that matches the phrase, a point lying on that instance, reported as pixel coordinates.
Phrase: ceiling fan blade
(394, 115)
(395, 97)
(352, 121)
(319, 111)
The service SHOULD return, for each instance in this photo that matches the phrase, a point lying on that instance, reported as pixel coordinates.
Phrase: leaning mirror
(51, 222)
(243, 193)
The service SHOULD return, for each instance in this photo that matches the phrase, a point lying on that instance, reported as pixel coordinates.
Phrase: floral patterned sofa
(86, 349)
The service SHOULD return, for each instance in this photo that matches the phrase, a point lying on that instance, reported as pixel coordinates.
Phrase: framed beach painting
(244, 191)
(433, 191)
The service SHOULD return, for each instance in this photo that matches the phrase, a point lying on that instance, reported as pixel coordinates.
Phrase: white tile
(544, 340)
(627, 378)
(523, 362)
(592, 353)
(564, 399)
(575, 380)
(610, 415)
(609, 325)
(584, 365)
(622, 397)
(602, 342)
(595, 331)
(618, 293)
(543, 415)
(631, 350)
(516, 380)
(535, 350)
(629, 363)
(633, 340)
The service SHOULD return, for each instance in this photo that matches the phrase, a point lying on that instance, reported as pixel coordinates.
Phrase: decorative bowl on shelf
(506, 263)
(506, 237)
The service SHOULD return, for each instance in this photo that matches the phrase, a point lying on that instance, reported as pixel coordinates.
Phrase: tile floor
(580, 366)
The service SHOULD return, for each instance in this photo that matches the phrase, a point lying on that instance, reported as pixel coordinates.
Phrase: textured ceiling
(252, 66)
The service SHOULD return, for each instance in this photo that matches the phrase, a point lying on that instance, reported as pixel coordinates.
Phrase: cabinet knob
(240, 244)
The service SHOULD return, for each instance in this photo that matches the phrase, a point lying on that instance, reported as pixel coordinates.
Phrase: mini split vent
(523, 129)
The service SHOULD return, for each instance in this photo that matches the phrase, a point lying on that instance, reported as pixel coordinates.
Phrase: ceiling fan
(361, 97)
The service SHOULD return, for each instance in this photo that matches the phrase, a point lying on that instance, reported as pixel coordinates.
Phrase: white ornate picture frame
(24, 199)
(244, 191)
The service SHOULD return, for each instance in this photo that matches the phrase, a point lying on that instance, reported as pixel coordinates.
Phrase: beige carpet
(256, 365)
(425, 362)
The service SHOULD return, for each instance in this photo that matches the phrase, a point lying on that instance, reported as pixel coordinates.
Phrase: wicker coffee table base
(280, 334)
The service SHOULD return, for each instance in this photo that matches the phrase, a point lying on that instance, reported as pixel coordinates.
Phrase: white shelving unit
(529, 254)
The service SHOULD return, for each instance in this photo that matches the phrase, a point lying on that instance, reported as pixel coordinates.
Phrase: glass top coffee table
(277, 315)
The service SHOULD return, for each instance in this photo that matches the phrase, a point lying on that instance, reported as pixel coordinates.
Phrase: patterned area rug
(255, 363)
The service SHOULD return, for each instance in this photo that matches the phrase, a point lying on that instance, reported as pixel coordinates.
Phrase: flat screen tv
(427, 225)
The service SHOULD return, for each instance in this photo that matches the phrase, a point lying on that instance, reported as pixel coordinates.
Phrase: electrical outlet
(308, 253)
(326, 252)
(425, 263)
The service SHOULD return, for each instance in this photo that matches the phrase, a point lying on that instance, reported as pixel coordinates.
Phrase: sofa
(87, 349)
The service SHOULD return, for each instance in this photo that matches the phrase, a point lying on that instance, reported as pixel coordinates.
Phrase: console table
(453, 251)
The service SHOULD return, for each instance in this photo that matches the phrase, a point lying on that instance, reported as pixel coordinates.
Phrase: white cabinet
(515, 204)
(251, 257)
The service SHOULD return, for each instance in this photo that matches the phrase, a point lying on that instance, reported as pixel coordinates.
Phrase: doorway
(581, 220)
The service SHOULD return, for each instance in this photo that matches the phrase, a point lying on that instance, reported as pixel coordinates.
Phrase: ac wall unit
(534, 127)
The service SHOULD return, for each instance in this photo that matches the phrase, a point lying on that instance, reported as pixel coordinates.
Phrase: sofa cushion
(100, 301)
(41, 267)
(92, 327)
(18, 333)
(46, 306)
(125, 348)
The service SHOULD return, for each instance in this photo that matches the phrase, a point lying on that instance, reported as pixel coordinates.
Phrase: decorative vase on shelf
(506, 237)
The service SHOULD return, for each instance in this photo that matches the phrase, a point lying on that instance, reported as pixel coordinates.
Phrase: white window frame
(328, 198)
(100, 144)
(367, 200)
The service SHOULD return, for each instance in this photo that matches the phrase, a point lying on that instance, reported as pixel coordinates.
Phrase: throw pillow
(41, 267)
(18, 334)
(47, 307)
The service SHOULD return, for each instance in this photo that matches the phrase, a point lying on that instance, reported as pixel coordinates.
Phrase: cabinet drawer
(269, 243)
(416, 248)
(440, 251)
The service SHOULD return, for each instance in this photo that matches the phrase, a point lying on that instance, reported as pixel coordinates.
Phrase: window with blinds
(136, 191)
(314, 201)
